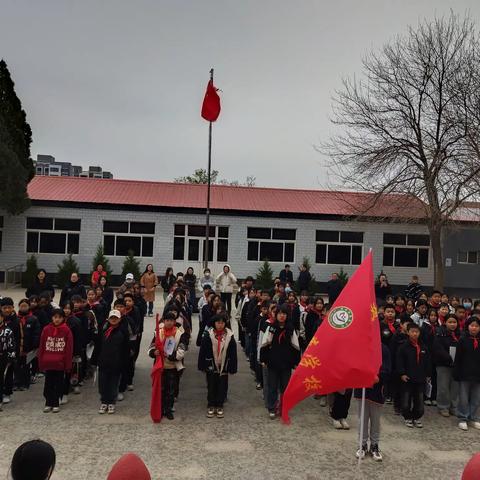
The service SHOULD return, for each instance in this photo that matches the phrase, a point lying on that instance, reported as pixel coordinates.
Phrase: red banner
(345, 352)
(211, 103)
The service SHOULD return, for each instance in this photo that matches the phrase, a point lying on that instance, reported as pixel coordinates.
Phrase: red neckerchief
(110, 329)
(391, 326)
(452, 333)
(417, 348)
(94, 304)
(291, 306)
(219, 337)
(303, 304)
(23, 317)
(441, 320)
(475, 342)
(128, 310)
(435, 305)
(399, 309)
(432, 328)
(170, 332)
(282, 335)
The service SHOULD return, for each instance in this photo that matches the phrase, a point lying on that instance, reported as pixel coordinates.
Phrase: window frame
(467, 253)
(408, 245)
(282, 242)
(337, 243)
(128, 234)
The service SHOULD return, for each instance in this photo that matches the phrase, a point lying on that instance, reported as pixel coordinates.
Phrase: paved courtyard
(243, 445)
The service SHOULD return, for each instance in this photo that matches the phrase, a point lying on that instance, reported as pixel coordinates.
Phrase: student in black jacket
(313, 319)
(218, 359)
(428, 332)
(111, 354)
(400, 337)
(466, 370)
(280, 352)
(107, 294)
(11, 321)
(413, 366)
(29, 338)
(444, 349)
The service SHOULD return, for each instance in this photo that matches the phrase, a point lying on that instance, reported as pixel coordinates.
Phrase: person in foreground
(33, 460)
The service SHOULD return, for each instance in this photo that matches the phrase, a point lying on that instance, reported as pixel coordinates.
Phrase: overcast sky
(120, 83)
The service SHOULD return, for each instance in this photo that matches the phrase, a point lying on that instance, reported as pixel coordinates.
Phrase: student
(413, 289)
(394, 384)
(11, 321)
(107, 294)
(410, 307)
(443, 311)
(110, 355)
(413, 366)
(218, 359)
(389, 325)
(466, 371)
(444, 348)
(207, 313)
(150, 281)
(435, 299)
(7, 353)
(29, 337)
(399, 305)
(280, 352)
(293, 310)
(95, 306)
(420, 314)
(467, 304)
(190, 280)
(374, 400)
(314, 319)
(167, 282)
(280, 296)
(33, 460)
(207, 279)
(139, 300)
(428, 332)
(390, 300)
(55, 358)
(461, 315)
(173, 339)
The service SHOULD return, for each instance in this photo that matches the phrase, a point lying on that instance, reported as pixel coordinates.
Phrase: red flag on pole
(345, 352)
(211, 103)
(156, 376)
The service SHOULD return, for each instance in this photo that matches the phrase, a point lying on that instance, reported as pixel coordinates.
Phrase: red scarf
(399, 309)
(110, 329)
(475, 342)
(452, 333)
(391, 326)
(281, 336)
(23, 317)
(303, 304)
(219, 337)
(170, 332)
(417, 348)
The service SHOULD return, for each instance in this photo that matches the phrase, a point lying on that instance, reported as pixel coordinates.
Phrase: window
(470, 257)
(338, 247)
(53, 235)
(120, 238)
(273, 244)
(189, 243)
(405, 250)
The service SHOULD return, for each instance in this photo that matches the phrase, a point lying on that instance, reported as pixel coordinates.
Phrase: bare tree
(411, 125)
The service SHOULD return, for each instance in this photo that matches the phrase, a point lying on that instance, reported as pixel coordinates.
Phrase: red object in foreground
(211, 103)
(345, 351)
(156, 376)
(472, 469)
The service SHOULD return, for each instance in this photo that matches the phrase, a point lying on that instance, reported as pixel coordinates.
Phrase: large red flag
(345, 352)
(211, 103)
(156, 376)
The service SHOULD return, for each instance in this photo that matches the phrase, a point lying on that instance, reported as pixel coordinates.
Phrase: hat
(129, 467)
(6, 301)
(114, 313)
(129, 276)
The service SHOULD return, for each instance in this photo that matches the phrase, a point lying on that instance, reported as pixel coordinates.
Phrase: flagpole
(362, 415)
(207, 222)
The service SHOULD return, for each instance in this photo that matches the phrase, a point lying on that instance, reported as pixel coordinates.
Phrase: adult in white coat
(226, 283)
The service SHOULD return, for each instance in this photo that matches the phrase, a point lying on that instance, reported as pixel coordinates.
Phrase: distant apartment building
(48, 166)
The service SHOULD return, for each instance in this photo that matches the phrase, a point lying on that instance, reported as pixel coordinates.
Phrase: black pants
(341, 405)
(412, 400)
(433, 396)
(3, 366)
(217, 388)
(241, 335)
(396, 391)
(108, 386)
(22, 373)
(227, 300)
(169, 381)
(128, 373)
(53, 388)
(277, 382)
(8, 382)
(150, 307)
(66, 384)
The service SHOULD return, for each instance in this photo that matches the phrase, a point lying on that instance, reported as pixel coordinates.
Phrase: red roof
(223, 197)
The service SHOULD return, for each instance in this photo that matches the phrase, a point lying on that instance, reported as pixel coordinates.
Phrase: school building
(164, 224)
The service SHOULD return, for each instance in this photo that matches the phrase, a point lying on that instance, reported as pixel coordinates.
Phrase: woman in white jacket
(226, 283)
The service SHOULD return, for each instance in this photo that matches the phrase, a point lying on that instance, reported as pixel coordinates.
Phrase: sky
(120, 84)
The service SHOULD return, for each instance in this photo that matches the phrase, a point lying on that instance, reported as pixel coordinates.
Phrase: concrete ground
(243, 445)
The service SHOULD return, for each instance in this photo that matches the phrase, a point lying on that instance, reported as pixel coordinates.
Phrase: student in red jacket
(55, 358)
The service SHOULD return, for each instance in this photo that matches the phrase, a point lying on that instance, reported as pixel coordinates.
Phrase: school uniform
(428, 332)
(7, 354)
(134, 322)
(89, 329)
(280, 351)
(55, 358)
(217, 358)
(313, 320)
(413, 361)
(72, 377)
(174, 352)
(394, 382)
(444, 346)
(466, 371)
(29, 339)
(293, 315)
(12, 322)
(111, 355)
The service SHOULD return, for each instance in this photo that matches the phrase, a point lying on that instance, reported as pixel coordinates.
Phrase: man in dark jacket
(304, 278)
(73, 287)
(334, 287)
(286, 275)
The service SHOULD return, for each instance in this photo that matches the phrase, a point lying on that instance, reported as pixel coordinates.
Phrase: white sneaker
(111, 409)
(463, 426)
(64, 400)
(103, 409)
(476, 425)
(337, 424)
(361, 452)
(323, 401)
(130, 388)
(55, 409)
(120, 397)
(47, 409)
(6, 399)
(76, 390)
(344, 424)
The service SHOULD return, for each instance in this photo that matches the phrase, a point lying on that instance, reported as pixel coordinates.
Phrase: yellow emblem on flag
(312, 383)
(373, 312)
(314, 341)
(310, 361)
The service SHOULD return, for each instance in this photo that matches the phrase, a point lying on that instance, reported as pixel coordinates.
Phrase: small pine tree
(101, 259)
(30, 273)
(343, 276)
(131, 265)
(65, 270)
(264, 276)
